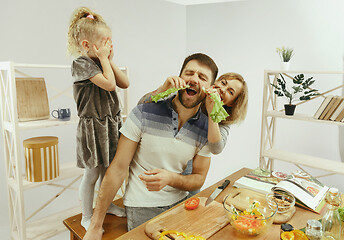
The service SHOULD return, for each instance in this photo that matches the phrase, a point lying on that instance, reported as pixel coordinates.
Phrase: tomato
(192, 203)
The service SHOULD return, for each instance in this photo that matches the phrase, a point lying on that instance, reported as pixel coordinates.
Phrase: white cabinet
(22, 226)
(270, 113)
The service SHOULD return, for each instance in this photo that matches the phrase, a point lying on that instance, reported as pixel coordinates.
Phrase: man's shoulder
(159, 108)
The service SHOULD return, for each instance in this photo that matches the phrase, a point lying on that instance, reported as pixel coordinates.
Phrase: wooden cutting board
(32, 99)
(236, 196)
(203, 221)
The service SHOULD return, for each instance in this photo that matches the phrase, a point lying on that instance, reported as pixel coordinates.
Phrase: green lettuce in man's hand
(158, 96)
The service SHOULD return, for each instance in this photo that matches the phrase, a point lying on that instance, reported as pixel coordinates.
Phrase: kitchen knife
(217, 191)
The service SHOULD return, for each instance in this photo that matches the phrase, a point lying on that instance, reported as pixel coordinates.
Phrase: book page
(305, 188)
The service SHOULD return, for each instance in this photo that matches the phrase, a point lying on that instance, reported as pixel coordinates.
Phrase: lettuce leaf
(218, 113)
(341, 213)
(158, 96)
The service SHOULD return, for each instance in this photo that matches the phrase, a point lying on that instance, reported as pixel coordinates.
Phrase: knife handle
(224, 184)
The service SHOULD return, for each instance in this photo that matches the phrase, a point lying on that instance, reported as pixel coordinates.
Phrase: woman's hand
(209, 102)
(172, 82)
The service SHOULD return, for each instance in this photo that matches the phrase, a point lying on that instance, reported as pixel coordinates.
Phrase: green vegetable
(158, 96)
(341, 213)
(218, 113)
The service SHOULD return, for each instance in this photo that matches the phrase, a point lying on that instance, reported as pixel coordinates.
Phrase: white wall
(242, 37)
(152, 37)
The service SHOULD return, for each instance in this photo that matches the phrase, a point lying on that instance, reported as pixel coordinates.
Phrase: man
(156, 143)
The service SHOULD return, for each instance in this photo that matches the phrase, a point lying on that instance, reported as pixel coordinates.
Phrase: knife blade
(217, 191)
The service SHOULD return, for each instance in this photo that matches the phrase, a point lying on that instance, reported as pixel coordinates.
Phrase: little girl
(96, 77)
(233, 92)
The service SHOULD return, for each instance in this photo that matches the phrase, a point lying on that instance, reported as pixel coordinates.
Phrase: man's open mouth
(191, 92)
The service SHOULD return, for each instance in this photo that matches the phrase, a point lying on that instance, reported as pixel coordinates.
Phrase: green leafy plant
(285, 53)
(341, 213)
(300, 90)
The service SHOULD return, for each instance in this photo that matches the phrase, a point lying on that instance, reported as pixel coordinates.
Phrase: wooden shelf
(271, 72)
(51, 122)
(301, 117)
(11, 128)
(268, 152)
(67, 170)
(305, 160)
(52, 225)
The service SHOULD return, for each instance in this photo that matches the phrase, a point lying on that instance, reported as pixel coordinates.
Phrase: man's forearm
(111, 183)
(190, 182)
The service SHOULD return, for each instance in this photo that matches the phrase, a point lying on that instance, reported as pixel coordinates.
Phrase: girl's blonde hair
(84, 24)
(237, 112)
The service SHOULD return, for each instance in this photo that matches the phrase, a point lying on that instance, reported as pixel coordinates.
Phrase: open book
(308, 191)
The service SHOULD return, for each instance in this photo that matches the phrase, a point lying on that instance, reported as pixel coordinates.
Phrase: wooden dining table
(115, 227)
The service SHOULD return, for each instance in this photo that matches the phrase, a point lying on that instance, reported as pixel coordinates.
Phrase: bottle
(331, 223)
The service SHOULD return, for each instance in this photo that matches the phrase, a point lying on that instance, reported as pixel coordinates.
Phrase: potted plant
(300, 90)
(285, 54)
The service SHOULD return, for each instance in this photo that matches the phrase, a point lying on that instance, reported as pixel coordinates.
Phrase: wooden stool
(41, 158)
(113, 226)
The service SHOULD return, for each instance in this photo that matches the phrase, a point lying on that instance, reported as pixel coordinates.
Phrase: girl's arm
(105, 80)
(122, 80)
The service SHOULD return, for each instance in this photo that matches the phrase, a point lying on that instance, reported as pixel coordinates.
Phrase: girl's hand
(104, 50)
(111, 53)
(172, 82)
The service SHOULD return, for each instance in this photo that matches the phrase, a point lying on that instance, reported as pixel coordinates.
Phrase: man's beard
(188, 104)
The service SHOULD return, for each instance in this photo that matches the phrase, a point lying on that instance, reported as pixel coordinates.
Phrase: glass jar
(313, 230)
(331, 223)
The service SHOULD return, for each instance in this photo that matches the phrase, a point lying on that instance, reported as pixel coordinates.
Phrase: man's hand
(157, 179)
(172, 82)
(93, 233)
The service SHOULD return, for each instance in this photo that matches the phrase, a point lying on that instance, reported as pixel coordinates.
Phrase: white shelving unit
(268, 152)
(21, 227)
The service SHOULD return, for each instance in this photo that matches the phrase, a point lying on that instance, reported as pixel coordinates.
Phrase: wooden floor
(113, 226)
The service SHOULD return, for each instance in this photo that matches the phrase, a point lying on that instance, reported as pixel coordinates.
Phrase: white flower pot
(285, 66)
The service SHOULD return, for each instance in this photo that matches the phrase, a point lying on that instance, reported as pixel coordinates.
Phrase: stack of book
(332, 108)
(309, 193)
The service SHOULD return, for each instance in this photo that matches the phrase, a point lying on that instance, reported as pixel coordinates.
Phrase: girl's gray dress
(99, 113)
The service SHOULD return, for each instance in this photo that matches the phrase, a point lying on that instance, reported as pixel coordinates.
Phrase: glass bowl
(248, 216)
(284, 200)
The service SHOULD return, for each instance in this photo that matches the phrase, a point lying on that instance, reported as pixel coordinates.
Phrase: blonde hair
(237, 112)
(84, 24)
